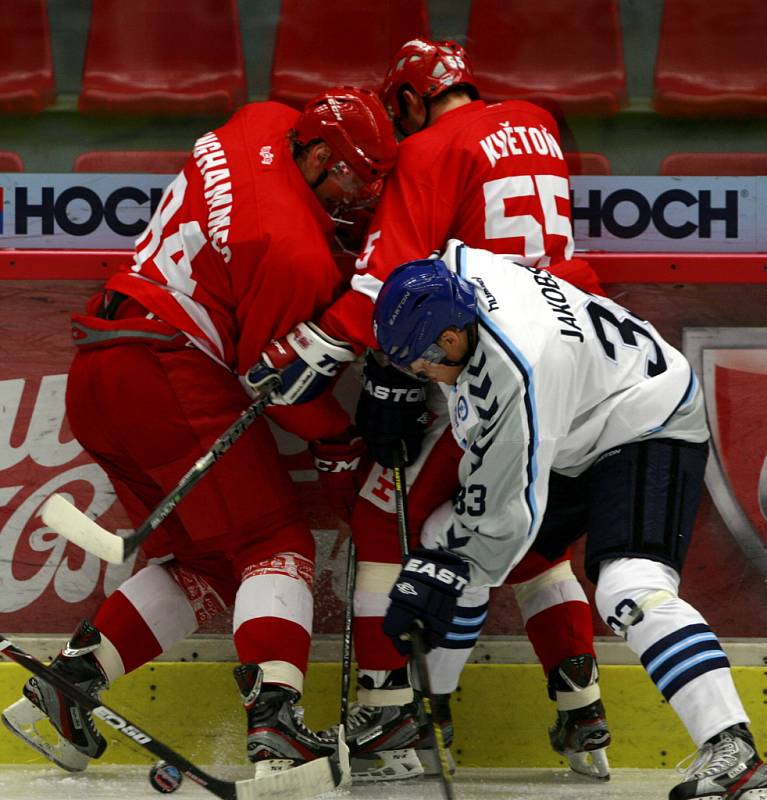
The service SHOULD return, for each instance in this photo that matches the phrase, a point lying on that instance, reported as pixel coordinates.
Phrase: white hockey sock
(273, 614)
(446, 663)
(638, 599)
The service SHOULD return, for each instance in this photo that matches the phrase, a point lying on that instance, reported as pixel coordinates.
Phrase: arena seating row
(580, 163)
(142, 58)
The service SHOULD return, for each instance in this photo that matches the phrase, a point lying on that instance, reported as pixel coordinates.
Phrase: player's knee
(548, 588)
(628, 588)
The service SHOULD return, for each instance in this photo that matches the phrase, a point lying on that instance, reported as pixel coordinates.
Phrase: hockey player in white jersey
(576, 417)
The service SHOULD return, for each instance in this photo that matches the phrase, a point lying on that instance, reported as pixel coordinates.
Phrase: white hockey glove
(306, 360)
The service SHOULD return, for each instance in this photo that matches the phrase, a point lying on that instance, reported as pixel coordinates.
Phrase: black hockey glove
(391, 409)
(425, 594)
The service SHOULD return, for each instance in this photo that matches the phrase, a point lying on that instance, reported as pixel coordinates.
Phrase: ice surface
(109, 782)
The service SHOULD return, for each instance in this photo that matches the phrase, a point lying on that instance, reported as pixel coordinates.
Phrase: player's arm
(411, 221)
(499, 505)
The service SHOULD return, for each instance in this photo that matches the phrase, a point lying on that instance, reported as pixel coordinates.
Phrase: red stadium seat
(150, 161)
(346, 42)
(149, 57)
(588, 164)
(10, 162)
(566, 55)
(712, 59)
(26, 68)
(714, 164)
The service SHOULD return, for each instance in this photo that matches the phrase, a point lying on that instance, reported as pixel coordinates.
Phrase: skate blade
(21, 719)
(592, 764)
(386, 765)
(429, 759)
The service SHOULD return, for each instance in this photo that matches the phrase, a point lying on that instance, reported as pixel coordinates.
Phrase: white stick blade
(297, 783)
(59, 514)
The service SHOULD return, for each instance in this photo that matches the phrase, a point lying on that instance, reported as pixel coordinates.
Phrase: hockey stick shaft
(416, 634)
(200, 468)
(346, 656)
(73, 525)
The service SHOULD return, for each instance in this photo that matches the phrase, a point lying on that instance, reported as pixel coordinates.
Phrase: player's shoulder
(519, 108)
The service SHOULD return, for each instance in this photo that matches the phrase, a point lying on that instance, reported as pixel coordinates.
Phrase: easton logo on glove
(395, 394)
(434, 571)
(406, 588)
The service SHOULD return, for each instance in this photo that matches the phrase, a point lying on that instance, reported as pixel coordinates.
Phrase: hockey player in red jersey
(237, 254)
(495, 177)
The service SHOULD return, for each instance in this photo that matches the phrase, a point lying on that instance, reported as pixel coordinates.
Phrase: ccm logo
(336, 466)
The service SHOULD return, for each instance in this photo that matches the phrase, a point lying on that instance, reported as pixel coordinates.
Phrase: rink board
(501, 713)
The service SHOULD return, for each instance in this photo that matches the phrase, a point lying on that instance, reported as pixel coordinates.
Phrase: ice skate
(727, 766)
(277, 736)
(381, 728)
(75, 739)
(381, 742)
(580, 732)
(425, 746)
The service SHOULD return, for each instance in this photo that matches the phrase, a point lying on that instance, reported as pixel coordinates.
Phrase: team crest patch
(732, 366)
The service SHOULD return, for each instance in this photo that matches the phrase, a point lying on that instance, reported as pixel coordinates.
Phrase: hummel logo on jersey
(407, 588)
(267, 156)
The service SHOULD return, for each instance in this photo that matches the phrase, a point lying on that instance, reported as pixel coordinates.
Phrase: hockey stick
(346, 658)
(416, 633)
(58, 513)
(308, 780)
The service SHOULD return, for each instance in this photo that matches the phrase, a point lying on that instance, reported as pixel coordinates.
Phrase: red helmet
(429, 68)
(354, 124)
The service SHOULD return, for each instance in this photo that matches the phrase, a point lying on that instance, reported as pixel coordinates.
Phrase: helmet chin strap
(320, 179)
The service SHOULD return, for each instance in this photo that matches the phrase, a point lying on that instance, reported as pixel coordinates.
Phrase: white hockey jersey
(558, 377)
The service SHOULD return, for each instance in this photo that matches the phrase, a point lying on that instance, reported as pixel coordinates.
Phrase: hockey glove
(391, 409)
(306, 360)
(342, 466)
(425, 594)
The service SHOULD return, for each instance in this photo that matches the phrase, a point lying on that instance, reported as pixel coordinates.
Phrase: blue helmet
(418, 301)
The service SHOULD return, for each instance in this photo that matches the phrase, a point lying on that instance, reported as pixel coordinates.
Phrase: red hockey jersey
(492, 176)
(238, 252)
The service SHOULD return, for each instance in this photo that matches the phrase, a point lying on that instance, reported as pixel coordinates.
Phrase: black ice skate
(425, 746)
(381, 729)
(78, 739)
(727, 766)
(381, 740)
(580, 732)
(277, 736)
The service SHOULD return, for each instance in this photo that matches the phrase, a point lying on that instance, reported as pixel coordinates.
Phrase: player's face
(342, 187)
(444, 360)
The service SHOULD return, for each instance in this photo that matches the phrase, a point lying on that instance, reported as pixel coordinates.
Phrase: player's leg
(148, 613)
(643, 502)
(383, 724)
(246, 512)
(559, 625)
